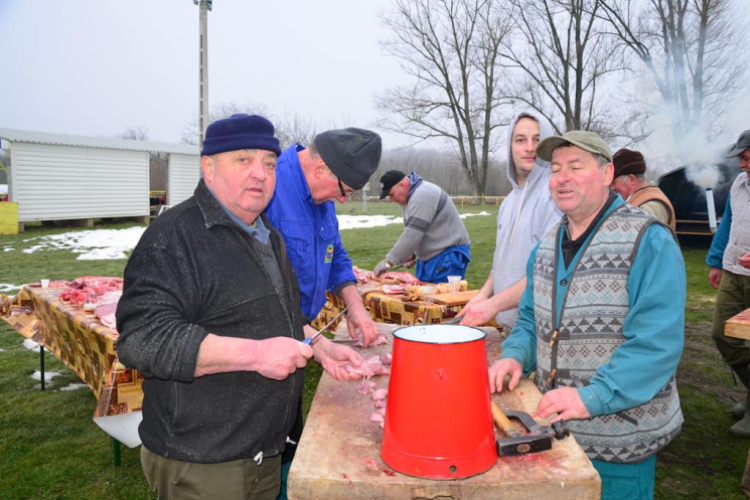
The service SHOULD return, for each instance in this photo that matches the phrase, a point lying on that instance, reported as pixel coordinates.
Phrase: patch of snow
(364, 221)
(94, 244)
(483, 212)
(2, 350)
(30, 345)
(7, 287)
(48, 376)
(73, 387)
(8, 249)
(112, 244)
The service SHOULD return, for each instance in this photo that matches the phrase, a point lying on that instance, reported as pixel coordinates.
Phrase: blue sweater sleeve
(654, 329)
(521, 343)
(719, 244)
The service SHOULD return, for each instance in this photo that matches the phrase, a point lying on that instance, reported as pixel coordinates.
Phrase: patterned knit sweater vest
(590, 330)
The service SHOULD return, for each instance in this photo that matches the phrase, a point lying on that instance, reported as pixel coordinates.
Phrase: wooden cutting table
(739, 327)
(339, 453)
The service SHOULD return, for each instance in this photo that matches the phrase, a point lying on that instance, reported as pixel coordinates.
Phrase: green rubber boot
(738, 410)
(742, 428)
(743, 373)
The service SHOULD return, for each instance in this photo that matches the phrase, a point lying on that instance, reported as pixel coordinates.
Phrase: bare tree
(451, 48)
(290, 127)
(687, 48)
(134, 134)
(561, 61)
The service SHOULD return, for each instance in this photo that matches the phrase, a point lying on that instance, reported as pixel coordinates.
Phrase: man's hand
(334, 358)
(358, 317)
(565, 401)
(745, 260)
(411, 262)
(279, 357)
(714, 275)
(381, 267)
(506, 366)
(477, 312)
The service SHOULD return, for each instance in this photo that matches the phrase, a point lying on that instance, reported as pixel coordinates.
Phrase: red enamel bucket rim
(440, 334)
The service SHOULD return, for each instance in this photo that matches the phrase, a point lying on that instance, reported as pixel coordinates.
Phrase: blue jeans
(450, 262)
(627, 481)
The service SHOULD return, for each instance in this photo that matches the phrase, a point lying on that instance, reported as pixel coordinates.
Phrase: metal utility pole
(203, 7)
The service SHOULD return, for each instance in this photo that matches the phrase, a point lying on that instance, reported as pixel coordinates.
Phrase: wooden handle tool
(502, 421)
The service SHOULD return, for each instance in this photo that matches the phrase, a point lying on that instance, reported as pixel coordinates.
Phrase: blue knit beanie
(240, 131)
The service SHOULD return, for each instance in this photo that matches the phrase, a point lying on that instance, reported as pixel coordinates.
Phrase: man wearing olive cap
(630, 183)
(729, 259)
(601, 321)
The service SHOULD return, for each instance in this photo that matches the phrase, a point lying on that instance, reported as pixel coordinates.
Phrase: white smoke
(705, 176)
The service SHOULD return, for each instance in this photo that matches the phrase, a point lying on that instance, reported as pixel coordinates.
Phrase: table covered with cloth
(87, 347)
(394, 309)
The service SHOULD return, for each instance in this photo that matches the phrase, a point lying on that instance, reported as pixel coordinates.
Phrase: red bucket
(438, 422)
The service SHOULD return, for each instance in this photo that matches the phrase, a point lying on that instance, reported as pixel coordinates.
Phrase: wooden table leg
(116, 452)
(41, 365)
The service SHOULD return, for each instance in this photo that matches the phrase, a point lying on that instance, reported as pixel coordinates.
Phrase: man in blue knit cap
(210, 316)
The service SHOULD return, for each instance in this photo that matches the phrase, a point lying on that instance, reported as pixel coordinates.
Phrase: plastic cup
(454, 284)
(45, 283)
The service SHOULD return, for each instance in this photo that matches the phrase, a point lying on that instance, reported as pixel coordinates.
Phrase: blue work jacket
(311, 233)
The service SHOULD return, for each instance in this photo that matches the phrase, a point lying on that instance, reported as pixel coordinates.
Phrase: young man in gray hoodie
(525, 215)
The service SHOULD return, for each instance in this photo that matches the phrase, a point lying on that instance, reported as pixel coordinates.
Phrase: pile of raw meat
(95, 293)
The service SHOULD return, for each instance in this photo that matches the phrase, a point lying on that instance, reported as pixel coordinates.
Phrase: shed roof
(96, 142)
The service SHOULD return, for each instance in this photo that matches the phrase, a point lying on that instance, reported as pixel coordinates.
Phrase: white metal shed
(65, 177)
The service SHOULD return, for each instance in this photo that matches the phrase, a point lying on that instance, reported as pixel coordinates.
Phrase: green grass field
(50, 447)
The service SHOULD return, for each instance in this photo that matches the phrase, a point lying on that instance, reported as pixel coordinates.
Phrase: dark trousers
(732, 298)
(235, 480)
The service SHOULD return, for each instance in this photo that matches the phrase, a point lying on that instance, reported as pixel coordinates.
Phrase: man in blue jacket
(336, 164)
(602, 320)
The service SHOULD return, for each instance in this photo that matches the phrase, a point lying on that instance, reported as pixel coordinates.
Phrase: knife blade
(309, 340)
(451, 321)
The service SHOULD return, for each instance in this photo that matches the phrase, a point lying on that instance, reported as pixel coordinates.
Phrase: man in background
(630, 182)
(729, 259)
(525, 215)
(434, 235)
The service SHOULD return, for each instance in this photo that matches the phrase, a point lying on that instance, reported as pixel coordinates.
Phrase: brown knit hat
(628, 162)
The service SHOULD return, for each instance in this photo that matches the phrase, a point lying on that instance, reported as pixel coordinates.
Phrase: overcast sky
(95, 67)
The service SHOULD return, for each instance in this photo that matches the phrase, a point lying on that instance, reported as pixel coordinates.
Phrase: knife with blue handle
(309, 340)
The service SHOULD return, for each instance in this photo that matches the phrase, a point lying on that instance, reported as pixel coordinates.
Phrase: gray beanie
(352, 154)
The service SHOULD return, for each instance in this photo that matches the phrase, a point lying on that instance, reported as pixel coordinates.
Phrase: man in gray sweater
(434, 234)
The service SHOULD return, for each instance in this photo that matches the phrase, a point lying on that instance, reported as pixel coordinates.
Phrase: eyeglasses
(341, 188)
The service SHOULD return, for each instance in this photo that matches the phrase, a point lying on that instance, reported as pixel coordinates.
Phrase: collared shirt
(311, 233)
(571, 247)
(257, 230)
(656, 289)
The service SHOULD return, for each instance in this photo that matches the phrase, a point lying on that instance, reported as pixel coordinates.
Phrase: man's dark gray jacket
(194, 272)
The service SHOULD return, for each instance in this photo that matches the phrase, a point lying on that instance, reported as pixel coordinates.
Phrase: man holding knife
(210, 316)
